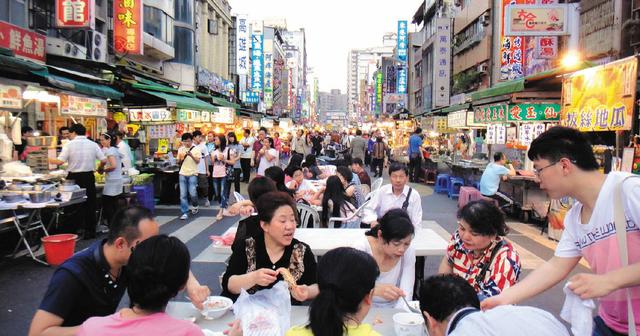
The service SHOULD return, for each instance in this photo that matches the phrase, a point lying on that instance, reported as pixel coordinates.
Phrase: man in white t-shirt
(565, 164)
(125, 151)
(247, 152)
(203, 172)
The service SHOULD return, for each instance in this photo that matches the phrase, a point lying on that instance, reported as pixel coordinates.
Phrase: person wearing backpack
(564, 162)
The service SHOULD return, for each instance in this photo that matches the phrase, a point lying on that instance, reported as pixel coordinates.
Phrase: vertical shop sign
(256, 62)
(511, 47)
(401, 81)
(402, 40)
(442, 65)
(501, 134)
(74, 13)
(378, 92)
(268, 72)
(491, 134)
(127, 26)
(242, 45)
(24, 43)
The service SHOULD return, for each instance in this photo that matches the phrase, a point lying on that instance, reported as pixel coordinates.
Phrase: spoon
(413, 310)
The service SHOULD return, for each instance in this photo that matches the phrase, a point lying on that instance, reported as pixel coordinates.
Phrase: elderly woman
(478, 251)
(256, 262)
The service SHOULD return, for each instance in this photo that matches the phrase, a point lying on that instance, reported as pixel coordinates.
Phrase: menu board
(161, 131)
(82, 106)
(158, 114)
(526, 134)
(225, 115)
(491, 134)
(501, 134)
(10, 97)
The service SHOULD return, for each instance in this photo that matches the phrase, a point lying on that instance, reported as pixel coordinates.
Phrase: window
(184, 11)
(41, 16)
(158, 24)
(184, 41)
(13, 11)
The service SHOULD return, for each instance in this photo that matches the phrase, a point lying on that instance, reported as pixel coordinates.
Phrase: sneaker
(207, 204)
(194, 210)
(184, 216)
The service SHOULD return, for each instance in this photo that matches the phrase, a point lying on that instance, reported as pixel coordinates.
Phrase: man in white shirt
(451, 307)
(247, 152)
(565, 165)
(81, 155)
(125, 151)
(395, 195)
(203, 172)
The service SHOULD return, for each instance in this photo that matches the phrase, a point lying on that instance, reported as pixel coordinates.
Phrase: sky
(333, 27)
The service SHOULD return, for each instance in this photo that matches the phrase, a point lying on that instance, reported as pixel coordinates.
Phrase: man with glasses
(93, 281)
(565, 164)
(490, 181)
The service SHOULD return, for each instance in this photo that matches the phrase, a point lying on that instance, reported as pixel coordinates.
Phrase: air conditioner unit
(485, 19)
(96, 46)
(483, 68)
(61, 47)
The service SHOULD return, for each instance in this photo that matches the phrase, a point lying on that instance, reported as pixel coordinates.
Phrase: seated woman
(351, 185)
(390, 245)
(276, 174)
(158, 269)
(302, 188)
(311, 169)
(294, 161)
(335, 203)
(255, 261)
(249, 226)
(478, 251)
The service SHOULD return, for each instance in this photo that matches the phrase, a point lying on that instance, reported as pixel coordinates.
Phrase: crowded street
(287, 168)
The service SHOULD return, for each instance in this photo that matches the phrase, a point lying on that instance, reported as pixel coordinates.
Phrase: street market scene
(246, 167)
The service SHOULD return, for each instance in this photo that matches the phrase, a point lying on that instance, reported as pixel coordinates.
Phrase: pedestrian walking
(189, 156)
(203, 172)
(246, 154)
(378, 155)
(219, 168)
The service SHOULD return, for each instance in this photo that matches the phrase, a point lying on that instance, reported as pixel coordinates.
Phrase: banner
(490, 114)
(268, 72)
(10, 96)
(157, 114)
(127, 26)
(75, 14)
(536, 20)
(403, 40)
(82, 106)
(224, 115)
(378, 92)
(533, 112)
(256, 60)
(457, 119)
(600, 98)
(242, 45)
(401, 82)
(24, 43)
(442, 64)
(511, 48)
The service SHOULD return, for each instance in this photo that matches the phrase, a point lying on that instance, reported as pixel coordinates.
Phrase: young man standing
(189, 156)
(247, 152)
(493, 174)
(415, 154)
(565, 164)
(358, 146)
(203, 172)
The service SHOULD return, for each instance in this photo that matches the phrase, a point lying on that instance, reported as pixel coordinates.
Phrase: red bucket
(58, 248)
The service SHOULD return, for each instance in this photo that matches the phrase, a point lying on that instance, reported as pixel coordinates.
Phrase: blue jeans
(601, 329)
(221, 190)
(188, 190)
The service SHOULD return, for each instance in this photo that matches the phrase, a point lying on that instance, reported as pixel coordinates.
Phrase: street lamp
(570, 60)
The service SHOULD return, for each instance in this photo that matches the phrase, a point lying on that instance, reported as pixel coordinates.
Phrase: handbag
(230, 172)
(621, 234)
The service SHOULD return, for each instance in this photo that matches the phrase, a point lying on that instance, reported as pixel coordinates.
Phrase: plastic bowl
(408, 324)
(215, 307)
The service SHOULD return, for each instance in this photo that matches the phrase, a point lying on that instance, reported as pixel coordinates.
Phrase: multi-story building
(296, 55)
(414, 82)
(332, 108)
(213, 48)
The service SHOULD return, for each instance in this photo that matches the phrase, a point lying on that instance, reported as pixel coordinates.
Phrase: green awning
(15, 64)
(160, 88)
(500, 89)
(86, 88)
(456, 108)
(223, 102)
(182, 101)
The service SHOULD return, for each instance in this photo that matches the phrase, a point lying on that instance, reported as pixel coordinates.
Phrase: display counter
(526, 193)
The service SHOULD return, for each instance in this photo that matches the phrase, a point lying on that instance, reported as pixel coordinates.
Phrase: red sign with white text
(127, 26)
(74, 13)
(24, 43)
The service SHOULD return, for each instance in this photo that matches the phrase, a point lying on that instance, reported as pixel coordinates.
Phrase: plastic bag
(265, 313)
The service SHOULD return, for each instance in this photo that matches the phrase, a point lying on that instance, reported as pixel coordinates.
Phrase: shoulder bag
(230, 171)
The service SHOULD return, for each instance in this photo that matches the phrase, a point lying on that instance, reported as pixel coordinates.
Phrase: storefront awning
(223, 102)
(89, 89)
(500, 89)
(456, 108)
(182, 102)
(9, 62)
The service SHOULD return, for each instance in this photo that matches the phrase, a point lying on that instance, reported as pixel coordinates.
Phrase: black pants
(415, 165)
(246, 169)
(503, 200)
(377, 166)
(87, 181)
(367, 158)
(236, 182)
(109, 207)
(211, 192)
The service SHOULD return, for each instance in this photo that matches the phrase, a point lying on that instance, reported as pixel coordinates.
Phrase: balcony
(469, 42)
(157, 49)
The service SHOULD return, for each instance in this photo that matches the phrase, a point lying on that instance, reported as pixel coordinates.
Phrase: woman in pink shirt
(158, 270)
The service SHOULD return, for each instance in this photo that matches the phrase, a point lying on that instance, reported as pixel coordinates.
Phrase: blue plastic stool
(454, 187)
(442, 184)
(476, 184)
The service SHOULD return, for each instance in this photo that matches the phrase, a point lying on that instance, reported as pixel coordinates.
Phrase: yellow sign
(600, 98)
(132, 129)
(163, 146)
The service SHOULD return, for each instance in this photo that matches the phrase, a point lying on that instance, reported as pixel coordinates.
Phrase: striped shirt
(81, 155)
(502, 273)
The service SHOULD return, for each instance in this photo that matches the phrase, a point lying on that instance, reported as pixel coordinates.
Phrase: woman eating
(390, 245)
(255, 262)
(303, 189)
(276, 174)
(335, 203)
(268, 156)
(312, 171)
(478, 251)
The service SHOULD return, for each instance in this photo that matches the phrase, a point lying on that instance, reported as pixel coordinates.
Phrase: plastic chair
(430, 176)
(442, 183)
(238, 196)
(356, 214)
(454, 187)
(307, 213)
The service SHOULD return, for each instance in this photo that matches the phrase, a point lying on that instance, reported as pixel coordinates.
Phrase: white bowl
(408, 324)
(215, 307)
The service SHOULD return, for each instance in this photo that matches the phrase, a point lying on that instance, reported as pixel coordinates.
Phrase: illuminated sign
(127, 26)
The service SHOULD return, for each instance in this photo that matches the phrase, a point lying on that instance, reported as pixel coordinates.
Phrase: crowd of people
(478, 280)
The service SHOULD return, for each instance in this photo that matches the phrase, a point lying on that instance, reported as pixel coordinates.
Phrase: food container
(42, 141)
(10, 197)
(408, 324)
(20, 187)
(215, 307)
(40, 196)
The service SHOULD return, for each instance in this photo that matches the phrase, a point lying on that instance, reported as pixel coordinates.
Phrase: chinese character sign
(536, 20)
(74, 13)
(601, 98)
(24, 43)
(442, 65)
(490, 114)
(533, 112)
(378, 92)
(127, 26)
(401, 81)
(511, 48)
(268, 72)
(403, 40)
(256, 62)
(242, 45)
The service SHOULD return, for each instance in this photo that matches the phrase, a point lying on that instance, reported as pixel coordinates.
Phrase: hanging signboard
(224, 115)
(189, 115)
(403, 41)
(75, 13)
(242, 45)
(600, 98)
(526, 134)
(148, 115)
(490, 113)
(266, 122)
(501, 134)
(378, 92)
(256, 62)
(442, 63)
(82, 106)
(205, 116)
(24, 43)
(10, 97)
(536, 20)
(491, 134)
(533, 112)
(127, 26)
(457, 119)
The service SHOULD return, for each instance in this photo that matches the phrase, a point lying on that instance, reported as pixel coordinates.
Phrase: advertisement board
(442, 64)
(533, 112)
(74, 14)
(127, 26)
(242, 44)
(256, 62)
(82, 106)
(403, 40)
(536, 20)
(24, 43)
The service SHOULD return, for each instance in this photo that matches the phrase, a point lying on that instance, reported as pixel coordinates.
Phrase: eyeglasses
(539, 171)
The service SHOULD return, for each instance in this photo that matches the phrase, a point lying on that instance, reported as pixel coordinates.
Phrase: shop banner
(127, 26)
(403, 40)
(536, 20)
(205, 116)
(224, 115)
(161, 131)
(24, 43)
(600, 98)
(457, 119)
(533, 112)
(490, 114)
(74, 14)
(10, 97)
(526, 134)
(471, 121)
(256, 62)
(442, 65)
(501, 134)
(189, 115)
(491, 134)
(401, 82)
(378, 92)
(82, 106)
(268, 73)
(148, 115)
(242, 44)
(511, 47)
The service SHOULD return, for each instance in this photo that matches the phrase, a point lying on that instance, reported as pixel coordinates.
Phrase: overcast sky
(333, 27)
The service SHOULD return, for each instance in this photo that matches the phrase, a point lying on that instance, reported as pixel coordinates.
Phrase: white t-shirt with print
(202, 165)
(596, 241)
